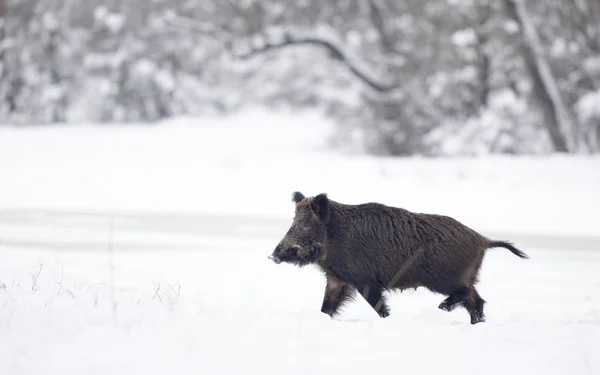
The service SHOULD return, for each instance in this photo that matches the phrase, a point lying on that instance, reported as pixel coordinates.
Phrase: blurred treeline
(401, 77)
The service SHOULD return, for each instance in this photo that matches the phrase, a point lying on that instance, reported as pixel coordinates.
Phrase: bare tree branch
(278, 38)
(560, 124)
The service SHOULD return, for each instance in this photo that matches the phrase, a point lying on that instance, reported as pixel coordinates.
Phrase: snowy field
(143, 250)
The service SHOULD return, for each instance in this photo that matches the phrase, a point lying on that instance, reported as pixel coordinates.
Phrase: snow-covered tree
(400, 77)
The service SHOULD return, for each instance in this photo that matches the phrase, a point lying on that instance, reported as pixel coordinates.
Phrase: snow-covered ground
(251, 163)
(129, 250)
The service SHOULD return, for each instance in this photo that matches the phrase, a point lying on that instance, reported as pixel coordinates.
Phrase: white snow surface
(183, 285)
(251, 163)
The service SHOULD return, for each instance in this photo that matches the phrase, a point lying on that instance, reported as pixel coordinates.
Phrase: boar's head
(303, 243)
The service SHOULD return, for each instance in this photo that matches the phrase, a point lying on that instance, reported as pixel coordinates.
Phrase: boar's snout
(285, 253)
(274, 258)
(297, 254)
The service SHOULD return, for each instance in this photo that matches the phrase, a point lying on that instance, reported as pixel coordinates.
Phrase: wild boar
(373, 247)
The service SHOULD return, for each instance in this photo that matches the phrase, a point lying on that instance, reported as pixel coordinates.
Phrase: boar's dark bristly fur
(371, 248)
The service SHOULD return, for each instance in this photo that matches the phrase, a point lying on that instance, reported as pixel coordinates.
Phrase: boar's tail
(509, 246)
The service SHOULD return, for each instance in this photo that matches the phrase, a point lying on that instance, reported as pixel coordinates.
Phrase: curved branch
(323, 36)
(275, 39)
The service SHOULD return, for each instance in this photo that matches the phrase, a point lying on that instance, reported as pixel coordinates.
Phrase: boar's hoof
(476, 318)
(446, 306)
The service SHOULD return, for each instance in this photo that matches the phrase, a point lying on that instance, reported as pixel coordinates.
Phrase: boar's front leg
(373, 294)
(337, 292)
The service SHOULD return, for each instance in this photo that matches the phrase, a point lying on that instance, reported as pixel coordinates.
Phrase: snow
(592, 64)
(251, 163)
(197, 204)
(223, 310)
(113, 21)
(144, 67)
(464, 38)
(588, 106)
(50, 22)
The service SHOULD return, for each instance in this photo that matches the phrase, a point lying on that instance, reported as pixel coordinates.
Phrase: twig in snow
(62, 276)
(35, 278)
(173, 299)
(111, 253)
(93, 285)
(176, 297)
(156, 290)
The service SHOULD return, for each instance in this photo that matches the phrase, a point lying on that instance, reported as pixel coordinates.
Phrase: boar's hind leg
(337, 293)
(474, 305)
(373, 294)
(458, 296)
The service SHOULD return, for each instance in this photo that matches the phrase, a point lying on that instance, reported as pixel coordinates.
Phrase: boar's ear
(320, 204)
(297, 197)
